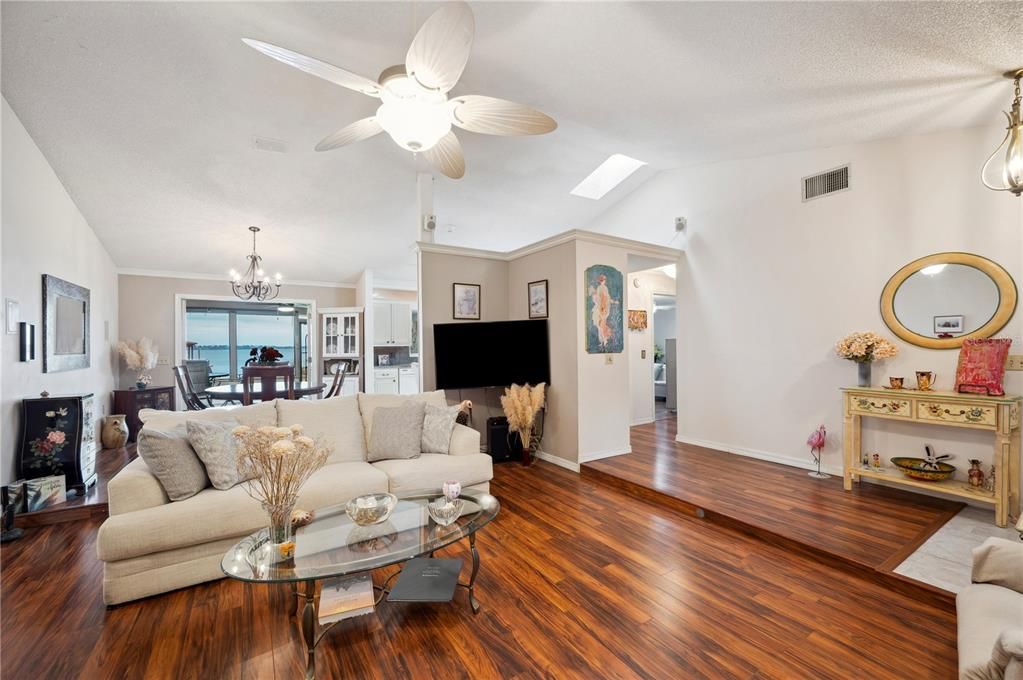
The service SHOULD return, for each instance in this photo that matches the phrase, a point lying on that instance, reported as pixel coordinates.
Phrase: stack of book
(345, 597)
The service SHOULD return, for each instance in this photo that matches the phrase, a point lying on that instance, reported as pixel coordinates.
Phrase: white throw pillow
(370, 402)
(256, 415)
(217, 448)
(397, 432)
(437, 427)
(335, 421)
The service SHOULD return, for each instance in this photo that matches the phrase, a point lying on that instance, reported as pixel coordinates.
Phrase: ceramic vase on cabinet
(114, 434)
(863, 373)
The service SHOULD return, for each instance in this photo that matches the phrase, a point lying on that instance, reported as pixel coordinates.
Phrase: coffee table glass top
(333, 545)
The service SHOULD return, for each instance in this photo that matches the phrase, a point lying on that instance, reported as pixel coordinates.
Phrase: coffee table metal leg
(309, 628)
(472, 578)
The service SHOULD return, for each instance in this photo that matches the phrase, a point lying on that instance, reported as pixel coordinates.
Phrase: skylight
(607, 176)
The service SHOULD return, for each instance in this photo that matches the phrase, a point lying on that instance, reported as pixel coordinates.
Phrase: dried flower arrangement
(865, 347)
(139, 355)
(281, 460)
(521, 403)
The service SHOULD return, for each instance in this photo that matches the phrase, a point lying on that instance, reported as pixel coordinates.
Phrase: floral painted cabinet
(58, 437)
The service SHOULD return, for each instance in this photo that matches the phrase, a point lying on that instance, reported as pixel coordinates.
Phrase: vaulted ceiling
(149, 111)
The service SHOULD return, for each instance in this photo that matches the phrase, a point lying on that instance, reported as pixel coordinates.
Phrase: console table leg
(309, 628)
(848, 450)
(472, 578)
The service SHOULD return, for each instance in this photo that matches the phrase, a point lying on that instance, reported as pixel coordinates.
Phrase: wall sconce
(1007, 173)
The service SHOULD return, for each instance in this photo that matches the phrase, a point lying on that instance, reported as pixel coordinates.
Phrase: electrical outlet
(1014, 362)
(163, 362)
(642, 354)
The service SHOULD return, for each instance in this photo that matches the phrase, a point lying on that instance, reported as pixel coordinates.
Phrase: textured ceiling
(148, 112)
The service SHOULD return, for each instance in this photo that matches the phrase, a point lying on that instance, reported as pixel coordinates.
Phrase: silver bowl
(371, 508)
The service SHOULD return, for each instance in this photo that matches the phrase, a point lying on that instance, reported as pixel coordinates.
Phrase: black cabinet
(58, 437)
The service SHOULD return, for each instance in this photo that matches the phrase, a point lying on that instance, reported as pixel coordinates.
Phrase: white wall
(769, 283)
(44, 233)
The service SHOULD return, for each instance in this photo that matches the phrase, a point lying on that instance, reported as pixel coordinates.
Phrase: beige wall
(557, 265)
(147, 309)
(44, 233)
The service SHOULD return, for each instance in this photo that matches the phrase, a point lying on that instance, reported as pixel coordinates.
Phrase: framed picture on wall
(637, 320)
(950, 324)
(537, 295)
(466, 301)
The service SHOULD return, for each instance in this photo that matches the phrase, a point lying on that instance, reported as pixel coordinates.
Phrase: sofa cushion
(368, 403)
(983, 611)
(999, 562)
(173, 461)
(437, 426)
(336, 421)
(217, 448)
(431, 470)
(262, 413)
(135, 487)
(397, 432)
(213, 514)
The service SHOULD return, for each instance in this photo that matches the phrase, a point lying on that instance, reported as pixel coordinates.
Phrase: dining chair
(193, 402)
(267, 376)
(340, 370)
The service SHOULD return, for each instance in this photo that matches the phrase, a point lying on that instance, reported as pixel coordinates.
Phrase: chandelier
(1007, 174)
(254, 283)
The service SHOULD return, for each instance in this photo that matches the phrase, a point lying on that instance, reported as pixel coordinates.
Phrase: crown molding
(634, 247)
(221, 277)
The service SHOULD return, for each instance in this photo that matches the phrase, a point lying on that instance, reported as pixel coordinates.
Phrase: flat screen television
(491, 354)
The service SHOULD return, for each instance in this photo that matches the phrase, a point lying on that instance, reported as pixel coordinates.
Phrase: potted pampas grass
(139, 355)
(278, 461)
(865, 348)
(521, 403)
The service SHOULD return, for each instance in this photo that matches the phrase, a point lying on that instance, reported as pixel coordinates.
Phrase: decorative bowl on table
(919, 468)
(444, 511)
(372, 508)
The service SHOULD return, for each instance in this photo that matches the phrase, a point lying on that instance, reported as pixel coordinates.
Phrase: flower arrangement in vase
(278, 460)
(521, 403)
(865, 348)
(141, 356)
(264, 356)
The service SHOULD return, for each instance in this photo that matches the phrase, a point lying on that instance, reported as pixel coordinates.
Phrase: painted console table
(998, 415)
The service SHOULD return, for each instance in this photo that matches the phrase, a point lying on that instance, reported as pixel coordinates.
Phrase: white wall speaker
(430, 222)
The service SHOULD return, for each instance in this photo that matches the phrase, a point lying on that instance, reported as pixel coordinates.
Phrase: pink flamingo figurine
(816, 442)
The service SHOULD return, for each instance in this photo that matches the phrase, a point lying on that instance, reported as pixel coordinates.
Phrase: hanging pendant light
(254, 283)
(1003, 170)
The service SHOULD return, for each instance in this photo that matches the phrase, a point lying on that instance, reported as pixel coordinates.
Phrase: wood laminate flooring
(578, 580)
(871, 526)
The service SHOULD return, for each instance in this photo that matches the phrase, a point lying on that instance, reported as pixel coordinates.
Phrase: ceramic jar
(114, 434)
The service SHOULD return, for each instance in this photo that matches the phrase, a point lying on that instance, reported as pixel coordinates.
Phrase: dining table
(234, 391)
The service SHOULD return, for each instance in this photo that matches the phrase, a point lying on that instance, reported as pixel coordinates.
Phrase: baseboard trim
(642, 421)
(590, 457)
(560, 462)
(759, 455)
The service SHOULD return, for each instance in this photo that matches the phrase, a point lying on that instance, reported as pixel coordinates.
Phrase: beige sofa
(151, 545)
(990, 614)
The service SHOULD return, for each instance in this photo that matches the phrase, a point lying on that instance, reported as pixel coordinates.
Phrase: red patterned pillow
(982, 366)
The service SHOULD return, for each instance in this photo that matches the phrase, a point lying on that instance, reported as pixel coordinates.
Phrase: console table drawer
(878, 406)
(957, 413)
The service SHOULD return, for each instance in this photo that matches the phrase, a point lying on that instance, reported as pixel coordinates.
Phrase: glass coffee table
(333, 545)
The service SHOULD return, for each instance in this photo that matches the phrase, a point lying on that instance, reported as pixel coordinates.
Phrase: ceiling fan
(415, 110)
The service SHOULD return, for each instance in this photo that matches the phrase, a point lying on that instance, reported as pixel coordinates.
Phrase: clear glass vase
(280, 533)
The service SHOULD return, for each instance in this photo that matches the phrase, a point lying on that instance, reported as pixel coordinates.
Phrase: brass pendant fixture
(1003, 170)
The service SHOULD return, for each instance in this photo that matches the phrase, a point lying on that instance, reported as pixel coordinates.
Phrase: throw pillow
(397, 432)
(173, 462)
(218, 451)
(437, 426)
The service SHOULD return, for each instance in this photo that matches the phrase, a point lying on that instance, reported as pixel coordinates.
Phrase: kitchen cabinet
(340, 332)
(392, 323)
(408, 380)
(385, 380)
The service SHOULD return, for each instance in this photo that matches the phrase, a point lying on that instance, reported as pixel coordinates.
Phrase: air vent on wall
(825, 183)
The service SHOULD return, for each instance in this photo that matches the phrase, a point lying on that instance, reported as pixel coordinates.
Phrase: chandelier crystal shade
(1003, 170)
(254, 283)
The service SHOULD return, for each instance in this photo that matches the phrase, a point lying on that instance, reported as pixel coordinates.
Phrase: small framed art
(466, 301)
(537, 296)
(950, 324)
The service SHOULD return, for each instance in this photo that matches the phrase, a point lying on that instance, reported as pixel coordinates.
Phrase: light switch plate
(163, 362)
(1014, 362)
(642, 354)
(609, 358)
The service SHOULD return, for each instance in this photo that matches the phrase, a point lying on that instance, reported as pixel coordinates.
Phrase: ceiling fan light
(416, 119)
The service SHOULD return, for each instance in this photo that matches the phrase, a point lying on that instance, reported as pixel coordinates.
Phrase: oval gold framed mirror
(942, 299)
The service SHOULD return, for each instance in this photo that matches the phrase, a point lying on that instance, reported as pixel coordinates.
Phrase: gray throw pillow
(173, 462)
(218, 451)
(437, 426)
(397, 432)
